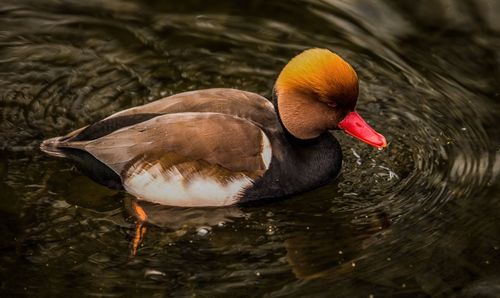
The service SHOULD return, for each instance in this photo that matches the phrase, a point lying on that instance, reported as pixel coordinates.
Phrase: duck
(222, 146)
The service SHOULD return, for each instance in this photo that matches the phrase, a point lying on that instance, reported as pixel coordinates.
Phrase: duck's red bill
(354, 125)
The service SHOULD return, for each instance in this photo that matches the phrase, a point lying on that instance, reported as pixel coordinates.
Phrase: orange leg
(140, 227)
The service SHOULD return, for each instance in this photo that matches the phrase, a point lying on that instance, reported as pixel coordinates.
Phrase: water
(420, 218)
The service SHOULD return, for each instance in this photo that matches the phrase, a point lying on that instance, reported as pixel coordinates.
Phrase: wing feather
(225, 140)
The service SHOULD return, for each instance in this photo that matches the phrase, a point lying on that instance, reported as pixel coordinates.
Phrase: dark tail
(84, 161)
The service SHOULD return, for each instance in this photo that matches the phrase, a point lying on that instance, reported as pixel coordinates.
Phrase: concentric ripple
(419, 218)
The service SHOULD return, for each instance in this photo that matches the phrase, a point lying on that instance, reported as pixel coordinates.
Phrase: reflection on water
(420, 218)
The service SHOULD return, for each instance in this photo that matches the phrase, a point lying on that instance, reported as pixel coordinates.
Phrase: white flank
(171, 188)
(266, 152)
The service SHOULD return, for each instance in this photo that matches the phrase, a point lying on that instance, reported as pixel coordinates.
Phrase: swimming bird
(221, 146)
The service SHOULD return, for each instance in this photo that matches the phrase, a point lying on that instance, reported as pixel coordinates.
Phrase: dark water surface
(421, 218)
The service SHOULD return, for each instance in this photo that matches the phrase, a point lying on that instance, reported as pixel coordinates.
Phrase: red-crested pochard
(219, 147)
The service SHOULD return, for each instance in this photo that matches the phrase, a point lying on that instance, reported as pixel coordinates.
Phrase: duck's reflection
(176, 218)
(313, 250)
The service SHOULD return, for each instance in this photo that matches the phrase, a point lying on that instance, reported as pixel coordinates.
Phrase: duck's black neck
(301, 166)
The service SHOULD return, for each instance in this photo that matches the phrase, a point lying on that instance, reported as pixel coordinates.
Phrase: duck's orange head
(317, 91)
(322, 74)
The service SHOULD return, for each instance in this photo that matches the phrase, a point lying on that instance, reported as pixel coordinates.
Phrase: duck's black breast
(297, 166)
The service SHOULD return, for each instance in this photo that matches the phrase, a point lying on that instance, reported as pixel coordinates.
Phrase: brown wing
(231, 142)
